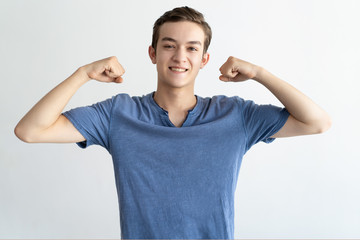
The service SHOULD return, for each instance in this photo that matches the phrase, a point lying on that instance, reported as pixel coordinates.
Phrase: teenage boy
(176, 155)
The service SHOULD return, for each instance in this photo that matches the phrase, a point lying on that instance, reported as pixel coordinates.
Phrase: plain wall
(303, 187)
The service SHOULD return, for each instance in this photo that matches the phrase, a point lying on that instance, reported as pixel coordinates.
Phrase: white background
(304, 187)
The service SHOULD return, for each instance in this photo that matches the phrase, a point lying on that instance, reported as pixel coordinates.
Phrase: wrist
(260, 73)
(82, 74)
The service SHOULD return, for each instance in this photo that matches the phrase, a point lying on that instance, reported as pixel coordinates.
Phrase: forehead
(183, 31)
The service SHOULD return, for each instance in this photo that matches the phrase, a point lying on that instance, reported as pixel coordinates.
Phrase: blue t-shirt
(176, 183)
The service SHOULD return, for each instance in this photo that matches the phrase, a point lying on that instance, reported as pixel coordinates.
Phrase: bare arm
(306, 117)
(44, 122)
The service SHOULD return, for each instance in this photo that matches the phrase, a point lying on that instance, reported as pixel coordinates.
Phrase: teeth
(178, 69)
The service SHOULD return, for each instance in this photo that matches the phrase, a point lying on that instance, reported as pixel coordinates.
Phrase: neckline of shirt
(164, 114)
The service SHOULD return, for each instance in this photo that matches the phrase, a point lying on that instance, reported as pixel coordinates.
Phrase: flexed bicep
(62, 131)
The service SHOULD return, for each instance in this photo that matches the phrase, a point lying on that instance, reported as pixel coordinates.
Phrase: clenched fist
(237, 70)
(105, 70)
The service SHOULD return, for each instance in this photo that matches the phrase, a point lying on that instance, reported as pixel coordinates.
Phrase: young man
(176, 155)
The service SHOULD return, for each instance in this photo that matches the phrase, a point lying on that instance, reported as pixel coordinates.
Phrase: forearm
(299, 105)
(50, 107)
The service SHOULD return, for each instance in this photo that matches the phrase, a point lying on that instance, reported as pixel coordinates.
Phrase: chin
(178, 84)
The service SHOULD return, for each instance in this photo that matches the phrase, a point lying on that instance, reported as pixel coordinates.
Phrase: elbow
(22, 134)
(323, 125)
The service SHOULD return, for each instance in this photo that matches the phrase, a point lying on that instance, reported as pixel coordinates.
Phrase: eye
(169, 46)
(192, 49)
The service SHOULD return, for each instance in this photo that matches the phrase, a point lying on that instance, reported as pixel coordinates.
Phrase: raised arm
(306, 117)
(45, 123)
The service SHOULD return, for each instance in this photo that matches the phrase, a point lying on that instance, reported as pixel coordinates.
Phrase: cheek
(197, 61)
(161, 58)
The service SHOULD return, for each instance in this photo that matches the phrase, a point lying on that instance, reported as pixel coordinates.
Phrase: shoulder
(126, 98)
(123, 98)
(134, 106)
(126, 101)
(224, 102)
(219, 107)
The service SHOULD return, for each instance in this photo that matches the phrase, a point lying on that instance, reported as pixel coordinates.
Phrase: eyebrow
(173, 40)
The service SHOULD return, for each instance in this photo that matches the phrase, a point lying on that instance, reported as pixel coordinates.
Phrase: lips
(178, 69)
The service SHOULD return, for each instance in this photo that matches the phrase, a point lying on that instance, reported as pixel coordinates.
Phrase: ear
(152, 54)
(204, 60)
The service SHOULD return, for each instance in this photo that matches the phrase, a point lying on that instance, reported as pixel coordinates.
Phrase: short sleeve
(93, 122)
(261, 121)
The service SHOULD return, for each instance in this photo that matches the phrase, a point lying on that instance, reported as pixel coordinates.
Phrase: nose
(179, 55)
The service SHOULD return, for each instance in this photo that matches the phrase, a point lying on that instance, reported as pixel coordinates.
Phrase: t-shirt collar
(163, 113)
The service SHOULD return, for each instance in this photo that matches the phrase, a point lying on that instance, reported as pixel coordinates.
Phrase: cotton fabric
(176, 183)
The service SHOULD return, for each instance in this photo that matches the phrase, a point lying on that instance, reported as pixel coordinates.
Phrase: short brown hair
(182, 14)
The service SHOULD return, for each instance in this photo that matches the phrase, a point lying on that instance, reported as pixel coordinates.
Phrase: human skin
(179, 57)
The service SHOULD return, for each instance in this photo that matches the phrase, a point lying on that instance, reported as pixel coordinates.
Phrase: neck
(176, 102)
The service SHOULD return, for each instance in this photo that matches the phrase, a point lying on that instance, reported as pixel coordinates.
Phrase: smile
(178, 69)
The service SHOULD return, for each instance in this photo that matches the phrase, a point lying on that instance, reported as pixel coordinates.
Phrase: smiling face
(179, 54)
